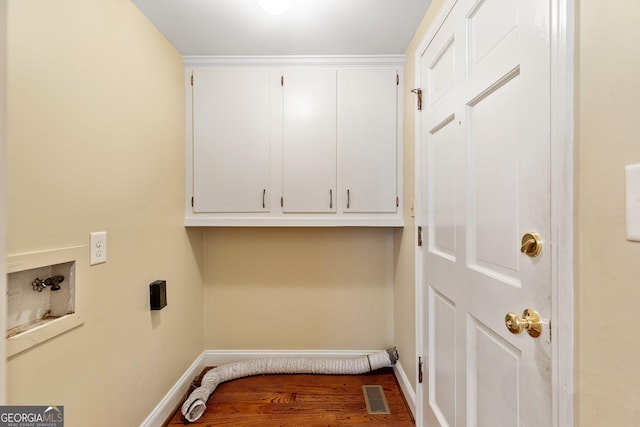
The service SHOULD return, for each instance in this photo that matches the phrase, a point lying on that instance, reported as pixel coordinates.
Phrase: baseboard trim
(406, 387)
(174, 397)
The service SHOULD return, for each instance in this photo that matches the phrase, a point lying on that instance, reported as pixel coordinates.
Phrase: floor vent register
(375, 400)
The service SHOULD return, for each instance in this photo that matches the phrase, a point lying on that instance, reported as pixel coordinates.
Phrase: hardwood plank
(301, 400)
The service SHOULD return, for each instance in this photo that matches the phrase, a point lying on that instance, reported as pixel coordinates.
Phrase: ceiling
(309, 27)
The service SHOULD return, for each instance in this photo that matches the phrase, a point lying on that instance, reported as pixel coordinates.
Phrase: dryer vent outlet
(158, 294)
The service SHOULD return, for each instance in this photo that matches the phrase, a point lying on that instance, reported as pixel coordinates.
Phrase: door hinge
(191, 79)
(397, 80)
(282, 201)
(419, 235)
(397, 201)
(419, 93)
(191, 201)
(281, 80)
(420, 363)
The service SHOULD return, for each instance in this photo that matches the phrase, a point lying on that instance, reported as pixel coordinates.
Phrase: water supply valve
(53, 281)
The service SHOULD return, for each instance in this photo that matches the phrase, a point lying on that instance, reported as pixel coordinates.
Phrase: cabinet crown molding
(284, 60)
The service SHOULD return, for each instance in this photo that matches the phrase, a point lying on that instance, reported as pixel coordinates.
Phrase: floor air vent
(375, 400)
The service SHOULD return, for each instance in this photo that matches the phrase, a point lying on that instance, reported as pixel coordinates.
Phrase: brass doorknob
(531, 244)
(530, 321)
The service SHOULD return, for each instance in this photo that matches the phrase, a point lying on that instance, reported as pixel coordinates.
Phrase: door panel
(491, 401)
(489, 22)
(442, 71)
(443, 360)
(442, 181)
(484, 178)
(493, 200)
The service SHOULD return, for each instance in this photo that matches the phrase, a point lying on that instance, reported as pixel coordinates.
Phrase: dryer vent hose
(194, 406)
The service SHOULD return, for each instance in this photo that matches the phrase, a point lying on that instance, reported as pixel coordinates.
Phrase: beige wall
(405, 239)
(298, 288)
(92, 86)
(608, 266)
(3, 186)
(95, 142)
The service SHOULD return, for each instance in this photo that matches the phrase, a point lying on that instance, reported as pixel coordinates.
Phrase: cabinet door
(231, 140)
(309, 132)
(367, 137)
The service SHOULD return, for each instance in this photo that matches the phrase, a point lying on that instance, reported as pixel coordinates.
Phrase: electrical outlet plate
(98, 247)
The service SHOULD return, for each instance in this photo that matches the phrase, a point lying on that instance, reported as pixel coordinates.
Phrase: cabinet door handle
(348, 199)
(330, 199)
(264, 193)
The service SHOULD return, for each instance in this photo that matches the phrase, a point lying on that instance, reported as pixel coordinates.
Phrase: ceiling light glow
(275, 7)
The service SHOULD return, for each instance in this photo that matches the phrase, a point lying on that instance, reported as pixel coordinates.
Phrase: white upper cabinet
(367, 139)
(307, 144)
(231, 140)
(309, 141)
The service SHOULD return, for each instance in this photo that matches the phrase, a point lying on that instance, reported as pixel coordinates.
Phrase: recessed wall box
(42, 296)
(158, 294)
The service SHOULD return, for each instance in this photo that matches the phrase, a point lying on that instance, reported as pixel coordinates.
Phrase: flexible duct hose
(194, 406)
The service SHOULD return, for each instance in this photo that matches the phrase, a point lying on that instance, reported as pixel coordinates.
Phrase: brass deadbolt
(531, 244)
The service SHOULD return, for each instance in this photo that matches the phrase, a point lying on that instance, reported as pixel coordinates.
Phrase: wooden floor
(301, 400)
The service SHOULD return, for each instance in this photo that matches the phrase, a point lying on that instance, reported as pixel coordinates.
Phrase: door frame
(562, 14)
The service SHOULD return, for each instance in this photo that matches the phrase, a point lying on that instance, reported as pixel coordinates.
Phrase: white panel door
(309, 132)
(367, 139)
(485, 182)
(231, 139)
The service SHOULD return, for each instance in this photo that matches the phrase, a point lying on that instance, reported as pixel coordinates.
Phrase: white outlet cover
(98, 247)
(632, 202)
